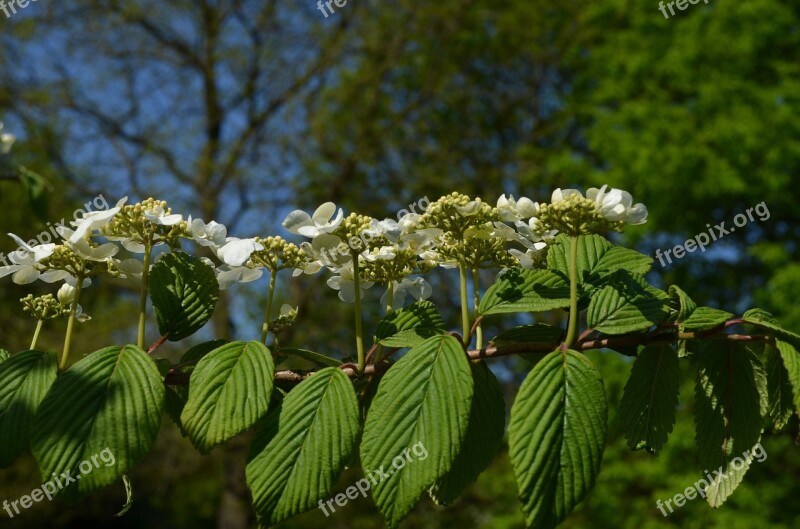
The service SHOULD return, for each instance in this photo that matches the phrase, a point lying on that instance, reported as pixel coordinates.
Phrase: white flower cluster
(454, 231)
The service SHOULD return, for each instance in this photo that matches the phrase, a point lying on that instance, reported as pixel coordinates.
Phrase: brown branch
(288, 377)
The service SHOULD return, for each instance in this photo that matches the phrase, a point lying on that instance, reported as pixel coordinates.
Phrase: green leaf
(536, 333)
(791, 361)
(626, 304)
(650, 398)
(229, 391)
(196, 353)
(25, 379)
(519, 290)
(316, 358)
(424, 399)
(704, 318)
(410, 325)
(184, 291)
(764, 319)
(109, 403)
(487, 422)
(4, 355)
(304, 444)
(730, 405)
(779, 385)
(556, 436)
(597, 258)
(175, 398)
(681, 303)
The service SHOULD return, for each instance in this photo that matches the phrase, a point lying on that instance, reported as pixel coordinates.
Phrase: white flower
(211, 234)
(81, 316)
(131, 268)
(66, 294)
(236, 252)
(469, 209)
(415, 287)
(388, 228)
(529, 238)
(408, 222)
(384, 253)
(325, 250)
(24, 261)
(86, 251)
(420, 241)
(228, 275)
(158, 215)
(93, 220)
(616, 205)
(287, 310)
(6, 141)
(560, 195)
(345, 284)
(322, 221)
(526, 260)
(512, 210)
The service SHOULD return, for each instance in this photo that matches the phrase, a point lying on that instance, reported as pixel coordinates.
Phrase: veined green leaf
(519, 290)
(184, 291)
(779, 386)
(4, 355)
(487, 423)
(25, 379)
(680, 303)
(425, 398)
(556, 436)
(536, 333)
(229, 391)
(730, 406)
(303, 445)
(650, 398)
(764, 319)
(626, 304)
(791, 361)
(316, 358)
(410, 325)
(597, 259)
(704, 318)
(196, 353)
(110, 401)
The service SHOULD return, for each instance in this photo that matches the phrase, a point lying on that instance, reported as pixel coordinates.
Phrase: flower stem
(572, 327)
(389, 298)
(268, 310)
(148, 249)
(36, 333)
(359, 334)
(73, 310)
(465, 325)
(476, 302)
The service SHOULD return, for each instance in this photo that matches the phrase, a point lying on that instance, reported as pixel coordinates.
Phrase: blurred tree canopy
(239, 110)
